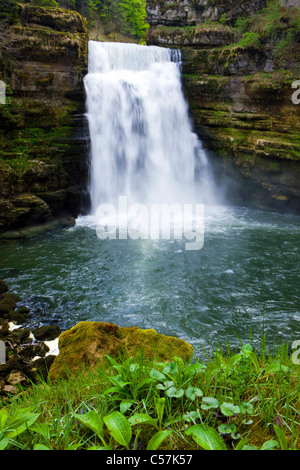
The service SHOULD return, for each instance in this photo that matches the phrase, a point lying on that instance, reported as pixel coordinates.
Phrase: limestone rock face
(239, 94)
(43, 157)
(88, 342)
(191, 12)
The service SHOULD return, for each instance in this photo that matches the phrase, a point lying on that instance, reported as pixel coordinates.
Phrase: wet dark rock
(47, 332)
(27, 358)
(3, 287)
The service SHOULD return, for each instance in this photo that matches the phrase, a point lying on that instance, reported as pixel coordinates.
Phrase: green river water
(245, 280)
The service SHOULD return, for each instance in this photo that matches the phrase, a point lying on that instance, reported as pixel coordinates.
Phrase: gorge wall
(239, 63)
(43, 156)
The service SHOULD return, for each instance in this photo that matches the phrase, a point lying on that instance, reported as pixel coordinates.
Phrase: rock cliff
(43, 163)
(239, 65)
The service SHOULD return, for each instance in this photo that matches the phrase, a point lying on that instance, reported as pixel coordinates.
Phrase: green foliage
(135, 402)
(272, 18)
(11, 425)
(9, 10)
(206, 437)
(45, 3)
(274, 24)
(241, 25)
(250, 39)
(223, 19)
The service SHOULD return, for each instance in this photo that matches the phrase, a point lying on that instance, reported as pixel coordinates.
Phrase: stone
(5, 308)
(11, 299)
(10, 390)
(23, 310)
(87, 343)
(3, 287)
(17, 377)
(46, 332)
(17, 318)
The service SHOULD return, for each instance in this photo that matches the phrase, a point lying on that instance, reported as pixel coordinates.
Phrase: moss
(87, 343)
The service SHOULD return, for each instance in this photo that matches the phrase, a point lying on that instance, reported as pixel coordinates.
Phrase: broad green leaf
(165, 385)
(248, 352)
(99, 448)
(191, 416)
(170, 368)
(236, 358)
(246, 348)
(229, 409)
(3, 418)
(125, 405)
(247, 422)
(156, 375)
(281, 437)
(41, 447)
(173, 392)
(194, 369)
(247, 408)
(3, 443)
(119, 428)
(227, 428)
(91, 420)
(270, 445)
(134, 367)
(159, 408)
(74, 446)
(111, 360)
(41, 428)
(19, 422)
(158, 439)
(209, 403)
(117, 381)
(115, 390)
(246, 447)
(142, 418)
(193, 392)
(142, 383)
(241, 444)
(206, 437)
(273, 368)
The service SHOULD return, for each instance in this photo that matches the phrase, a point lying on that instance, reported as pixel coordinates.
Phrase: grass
(233, 400)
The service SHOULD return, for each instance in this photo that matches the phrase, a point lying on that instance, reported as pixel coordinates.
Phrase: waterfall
(142, 143)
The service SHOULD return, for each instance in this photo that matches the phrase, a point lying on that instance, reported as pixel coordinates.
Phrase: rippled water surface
(246, 277)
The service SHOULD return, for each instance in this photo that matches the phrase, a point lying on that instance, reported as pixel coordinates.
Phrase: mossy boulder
(87, 343)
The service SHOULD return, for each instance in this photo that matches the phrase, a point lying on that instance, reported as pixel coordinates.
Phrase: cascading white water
(142, 144)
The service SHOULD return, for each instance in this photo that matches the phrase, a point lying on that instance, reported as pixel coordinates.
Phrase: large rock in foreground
(87, 343)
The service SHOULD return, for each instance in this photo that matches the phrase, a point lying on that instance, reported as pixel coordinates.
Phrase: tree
(135, 14)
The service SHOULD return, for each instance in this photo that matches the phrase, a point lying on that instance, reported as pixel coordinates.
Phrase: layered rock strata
(239, 93)
(43, 157)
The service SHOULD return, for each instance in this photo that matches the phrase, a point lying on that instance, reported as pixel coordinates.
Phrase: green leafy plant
(206, 437)
(121, 428)
(249, 39)
(15, 424)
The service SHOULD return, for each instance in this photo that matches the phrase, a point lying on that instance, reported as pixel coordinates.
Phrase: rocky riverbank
(48, 352)
(28, 354)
